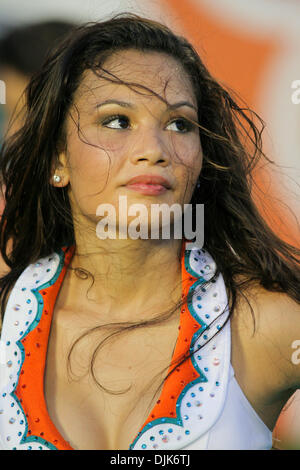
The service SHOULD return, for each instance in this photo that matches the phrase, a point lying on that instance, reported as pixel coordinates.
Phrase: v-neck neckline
(29, 391)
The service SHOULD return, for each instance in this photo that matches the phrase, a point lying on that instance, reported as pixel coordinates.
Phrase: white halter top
(201, 405)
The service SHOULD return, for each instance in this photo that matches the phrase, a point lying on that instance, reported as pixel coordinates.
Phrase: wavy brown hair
(37, 218)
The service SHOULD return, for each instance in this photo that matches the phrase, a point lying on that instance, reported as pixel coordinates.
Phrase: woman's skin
(149, 142)
(134, 279)
(138, 279)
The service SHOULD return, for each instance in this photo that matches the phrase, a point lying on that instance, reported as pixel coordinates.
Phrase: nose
(150, 149)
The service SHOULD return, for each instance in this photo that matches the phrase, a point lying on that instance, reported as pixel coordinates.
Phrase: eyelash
(188, 125)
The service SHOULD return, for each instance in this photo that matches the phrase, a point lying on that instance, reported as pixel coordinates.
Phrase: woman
(136, 342)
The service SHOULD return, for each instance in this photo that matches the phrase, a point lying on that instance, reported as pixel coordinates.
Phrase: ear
(60, 174)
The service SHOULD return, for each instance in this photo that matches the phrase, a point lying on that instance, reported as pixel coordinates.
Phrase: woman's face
(116, 133)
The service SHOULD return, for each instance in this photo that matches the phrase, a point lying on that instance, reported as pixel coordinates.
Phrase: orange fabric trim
(166, 404)
(30, 389)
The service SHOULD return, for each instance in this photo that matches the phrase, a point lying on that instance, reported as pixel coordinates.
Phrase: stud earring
(56, 179)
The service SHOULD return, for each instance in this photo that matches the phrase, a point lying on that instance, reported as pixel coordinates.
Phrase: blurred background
(251, 47)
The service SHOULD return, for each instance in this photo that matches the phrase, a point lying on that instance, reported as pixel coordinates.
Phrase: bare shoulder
(267, 325)
(4, 269)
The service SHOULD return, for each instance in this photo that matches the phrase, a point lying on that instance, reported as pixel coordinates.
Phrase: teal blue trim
(35, 322)
(188, 267)
(202, 377)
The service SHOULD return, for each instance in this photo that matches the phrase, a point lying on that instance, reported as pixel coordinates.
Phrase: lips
(150, 185)
(149, 180)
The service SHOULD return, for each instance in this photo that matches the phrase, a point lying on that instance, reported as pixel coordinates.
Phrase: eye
(116, 122)
(180, 125)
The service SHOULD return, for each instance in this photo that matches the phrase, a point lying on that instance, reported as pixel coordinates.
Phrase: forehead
(158, 72)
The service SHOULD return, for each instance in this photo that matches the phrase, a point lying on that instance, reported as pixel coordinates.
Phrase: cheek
(186, 149)
(188, 177)
(89, 170)
(188, 162)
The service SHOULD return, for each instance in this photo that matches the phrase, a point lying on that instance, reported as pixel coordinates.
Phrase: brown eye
(180, 125)
(116, 122)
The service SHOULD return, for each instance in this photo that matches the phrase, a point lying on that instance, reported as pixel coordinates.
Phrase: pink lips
(149, 184)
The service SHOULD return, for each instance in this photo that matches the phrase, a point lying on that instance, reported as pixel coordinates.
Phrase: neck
(126, 274)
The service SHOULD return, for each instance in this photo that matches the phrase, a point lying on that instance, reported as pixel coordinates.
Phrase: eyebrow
(124, 104)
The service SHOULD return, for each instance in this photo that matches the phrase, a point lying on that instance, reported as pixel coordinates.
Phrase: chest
(129, 370)
(111, 390)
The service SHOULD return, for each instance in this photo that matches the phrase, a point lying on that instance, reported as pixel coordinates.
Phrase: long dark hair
(37, 218)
